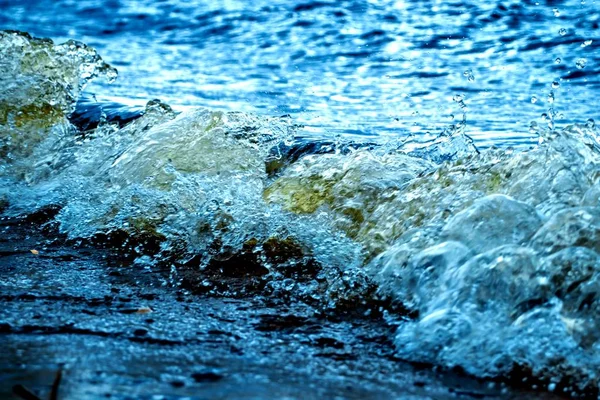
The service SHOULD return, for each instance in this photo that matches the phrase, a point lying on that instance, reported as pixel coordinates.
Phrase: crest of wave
(193, 181)
(39, 84)
(503, 267)
(495, 252)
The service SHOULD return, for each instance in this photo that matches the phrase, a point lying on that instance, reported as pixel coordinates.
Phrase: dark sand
(124, 332)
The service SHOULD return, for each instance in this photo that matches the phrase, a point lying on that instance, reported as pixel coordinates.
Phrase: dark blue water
(358, 67)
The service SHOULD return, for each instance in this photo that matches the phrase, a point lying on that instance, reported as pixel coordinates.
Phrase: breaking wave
(492, 255)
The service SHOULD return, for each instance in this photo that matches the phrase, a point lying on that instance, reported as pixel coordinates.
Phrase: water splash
(469, 241)
(40, 83)
(469, 75)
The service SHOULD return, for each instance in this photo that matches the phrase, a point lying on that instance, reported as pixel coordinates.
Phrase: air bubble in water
(562, 31)
(469, 75)
(558, 60)
(534, 99)
(556, 12)
(586, 43)
(580, 63)
(555, 85)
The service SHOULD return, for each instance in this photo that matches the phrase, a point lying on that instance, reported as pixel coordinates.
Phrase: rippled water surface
(370, 68)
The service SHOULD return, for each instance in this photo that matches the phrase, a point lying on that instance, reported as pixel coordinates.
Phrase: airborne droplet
(555, 85)
(533, 127)
(590, 123)
(556, 12)
(562, 31)
(580, 63)
(557, 60)
(469, 75)
(111, 75)
(586, 43)
(534, 99)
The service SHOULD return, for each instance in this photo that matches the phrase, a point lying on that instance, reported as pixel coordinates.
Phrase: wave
(492, 255)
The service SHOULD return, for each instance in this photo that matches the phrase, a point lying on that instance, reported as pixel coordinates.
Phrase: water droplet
(586, 43)
(551, 97)
(534, 99)
(590, 123)
(556, 12)
(558, 60)
(580, 63)
(555, 85)
(533, 126)
(469, 75)
(460, 100)
(111, 75)
(548, 119)
(562, 31)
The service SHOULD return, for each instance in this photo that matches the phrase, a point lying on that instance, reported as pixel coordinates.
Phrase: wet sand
(124, 332)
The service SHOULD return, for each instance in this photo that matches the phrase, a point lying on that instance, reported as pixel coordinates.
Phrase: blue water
(258, 160)
(358, 68)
